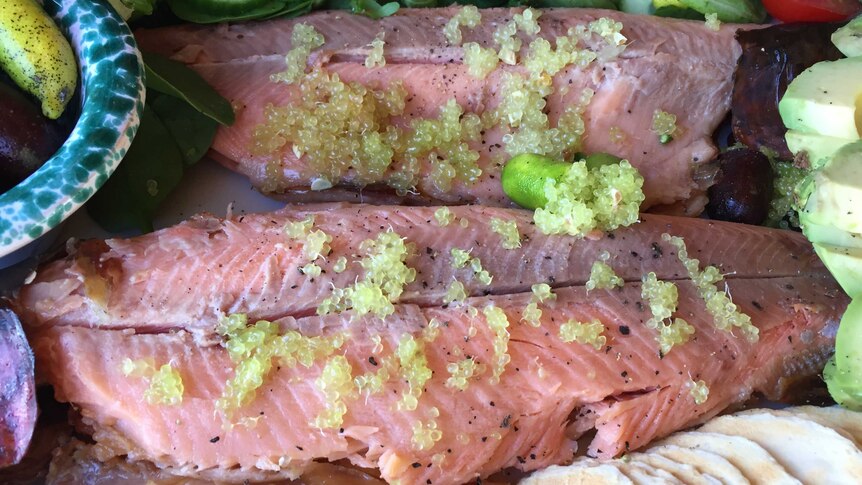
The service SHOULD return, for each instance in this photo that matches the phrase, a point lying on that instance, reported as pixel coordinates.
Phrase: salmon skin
(549, 392)
(680, 67)
(78, 463)
(252, 267)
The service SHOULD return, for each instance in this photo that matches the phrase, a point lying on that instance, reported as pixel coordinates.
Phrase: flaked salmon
(251, 266)
(678, 67)
(470, 387)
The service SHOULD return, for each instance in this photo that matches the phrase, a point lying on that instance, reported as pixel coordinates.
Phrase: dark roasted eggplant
(771, 58)
(17, 390)
(743, 187)
(27, 138)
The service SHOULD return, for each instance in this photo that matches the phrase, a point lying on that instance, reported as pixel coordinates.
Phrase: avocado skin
(27, 138)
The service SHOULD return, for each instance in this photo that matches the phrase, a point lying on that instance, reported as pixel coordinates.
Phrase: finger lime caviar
(469, 16)
(508, 231)
(584, 333)
(498, 322)
(462, 258)
(443, 216)
(253, 348)
(347, 132)
(698, 391)
(414, 370)
(346, 129)
(532, 314)
(336, 384)
(480, 61)
(584, 200)
(304, 39)
(386, 275)
(455, 293)
(664, 125)
(375, 55)
(663, 299)
(602, 276)
(461, 372)
(165, 384)
(725, 314)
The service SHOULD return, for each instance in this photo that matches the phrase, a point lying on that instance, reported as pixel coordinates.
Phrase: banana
(36, 55)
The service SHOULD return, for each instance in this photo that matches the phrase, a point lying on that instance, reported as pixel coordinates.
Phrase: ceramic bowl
(112, 100)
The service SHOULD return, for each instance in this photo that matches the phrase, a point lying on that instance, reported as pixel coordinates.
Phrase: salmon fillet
(680, 67)
(626, 390)
(252, 267)
(549, 393)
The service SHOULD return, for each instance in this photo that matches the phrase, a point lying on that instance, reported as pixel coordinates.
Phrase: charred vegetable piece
(771, 58)
(17, 390)
(27, 139)
(743, 187)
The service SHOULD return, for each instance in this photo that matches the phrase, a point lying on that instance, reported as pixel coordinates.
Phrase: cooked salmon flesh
(651, 66)
(463, 369)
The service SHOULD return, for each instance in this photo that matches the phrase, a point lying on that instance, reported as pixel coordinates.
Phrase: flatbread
(579, 473)
(704, 462)
(755, 463)
(811, 452)
(679, 469)
(643, 474)
(835, 417)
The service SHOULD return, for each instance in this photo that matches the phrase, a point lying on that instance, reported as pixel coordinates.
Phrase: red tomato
(812, 10)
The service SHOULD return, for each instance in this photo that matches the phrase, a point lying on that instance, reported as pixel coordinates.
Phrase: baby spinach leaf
(144, 7)
(152, 167)
(175, 79)
(192, 131)
(371, 8)
(203, 13)
(737, 11)
(609, 4)
(420, 3)
(172, 136)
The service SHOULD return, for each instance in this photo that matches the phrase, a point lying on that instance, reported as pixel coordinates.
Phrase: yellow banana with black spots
(36, 55)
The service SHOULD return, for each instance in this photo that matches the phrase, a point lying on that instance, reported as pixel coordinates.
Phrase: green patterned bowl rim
(112, 93)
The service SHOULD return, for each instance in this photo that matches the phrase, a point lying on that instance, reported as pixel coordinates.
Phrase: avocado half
(822, 102)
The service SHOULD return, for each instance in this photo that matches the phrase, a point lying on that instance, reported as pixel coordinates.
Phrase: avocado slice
(845, 264)
(836, 196)
(848, 39)
(843, 373)
(819, 148)
(824, 99)
(828, 235)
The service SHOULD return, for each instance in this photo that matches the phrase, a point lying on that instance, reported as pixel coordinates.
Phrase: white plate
(206, 187)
